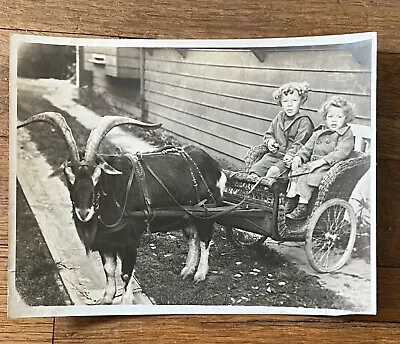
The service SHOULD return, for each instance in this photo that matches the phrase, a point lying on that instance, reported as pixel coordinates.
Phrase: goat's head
(83, 170)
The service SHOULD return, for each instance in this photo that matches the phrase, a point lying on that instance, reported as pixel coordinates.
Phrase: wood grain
(207, 19)
(221, 329)
(21, 330)
(224, 19)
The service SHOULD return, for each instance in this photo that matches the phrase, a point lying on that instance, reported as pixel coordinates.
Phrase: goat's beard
(86, 231)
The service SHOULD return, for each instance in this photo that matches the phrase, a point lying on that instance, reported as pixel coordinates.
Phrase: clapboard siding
(299, 59)
(226, 96)
(252, 96)
(222, 98)
(122, 72)
(120, 90)
(347, 82)
(240, 121)
(119, 62)
(175, 122)
(100, 50)
(240, 106)
(197, 113)
(211, 106)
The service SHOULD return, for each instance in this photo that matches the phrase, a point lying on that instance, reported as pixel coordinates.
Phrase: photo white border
(15, 311)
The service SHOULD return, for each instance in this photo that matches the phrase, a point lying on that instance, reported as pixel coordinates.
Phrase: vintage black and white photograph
(192, 176)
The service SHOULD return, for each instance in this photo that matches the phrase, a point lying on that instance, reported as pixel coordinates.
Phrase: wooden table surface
(223, 19)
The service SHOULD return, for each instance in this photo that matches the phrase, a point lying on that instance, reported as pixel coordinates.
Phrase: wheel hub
(330, 236)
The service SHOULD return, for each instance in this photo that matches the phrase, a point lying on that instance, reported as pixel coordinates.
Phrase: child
(331, 142)
(288, 131)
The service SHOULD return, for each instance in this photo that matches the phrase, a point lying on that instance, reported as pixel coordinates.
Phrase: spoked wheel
(330, 235)
(242, 239)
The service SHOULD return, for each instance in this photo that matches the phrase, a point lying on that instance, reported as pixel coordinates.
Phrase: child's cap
(301, 87)
(337, 101)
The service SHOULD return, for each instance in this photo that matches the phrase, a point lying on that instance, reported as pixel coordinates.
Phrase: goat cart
(253, 211)
(329, 231)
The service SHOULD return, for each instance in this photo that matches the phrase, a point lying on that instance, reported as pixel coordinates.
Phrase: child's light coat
(331, 145)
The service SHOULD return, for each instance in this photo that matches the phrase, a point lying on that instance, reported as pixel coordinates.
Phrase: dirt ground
(237, 277)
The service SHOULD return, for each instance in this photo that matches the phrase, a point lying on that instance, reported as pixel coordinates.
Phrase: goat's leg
(128, 276)
(109, 264)
(193, 252)
(205, 229)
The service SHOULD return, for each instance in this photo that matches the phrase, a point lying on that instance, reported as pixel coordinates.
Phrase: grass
(232, 279)
(48, 141)
(37, 276)
(97, 103)
(242, 277)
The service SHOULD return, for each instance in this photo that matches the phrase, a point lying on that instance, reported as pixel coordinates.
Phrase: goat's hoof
(186, 272)
(105, 300)
(127, 299)
(199, 276)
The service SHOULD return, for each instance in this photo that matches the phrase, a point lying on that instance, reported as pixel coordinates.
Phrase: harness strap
(119, 224)
(181, 151)
(138, 168)
(195, 184)
(143, 187)
(194, 180)
(159, 180)
(189, 212)
(189, 159)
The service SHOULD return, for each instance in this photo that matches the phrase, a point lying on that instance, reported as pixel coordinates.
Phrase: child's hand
(296, 162)
(272, 146)
(287, 159)
(313, 165)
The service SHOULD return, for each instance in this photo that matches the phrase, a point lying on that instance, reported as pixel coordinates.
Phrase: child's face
(291, 103)
(335, 118)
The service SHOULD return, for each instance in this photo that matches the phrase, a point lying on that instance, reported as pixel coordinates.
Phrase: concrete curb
(82, 275)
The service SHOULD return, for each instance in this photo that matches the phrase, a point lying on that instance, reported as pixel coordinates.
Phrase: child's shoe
(299, 213)
(290, 204)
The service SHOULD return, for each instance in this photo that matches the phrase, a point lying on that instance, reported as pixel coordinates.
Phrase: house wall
(222, 99)
(118, 76)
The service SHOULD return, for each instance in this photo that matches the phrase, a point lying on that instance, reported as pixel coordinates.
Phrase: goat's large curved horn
(105, 125)
(58, 121)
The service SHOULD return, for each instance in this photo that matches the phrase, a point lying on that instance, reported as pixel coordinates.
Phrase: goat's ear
(96, 175)
(58, 171)
(70, 174)
(107, 168)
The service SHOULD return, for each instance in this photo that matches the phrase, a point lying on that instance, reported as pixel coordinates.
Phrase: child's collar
(285, 116)
(340, 131)
(286, 122)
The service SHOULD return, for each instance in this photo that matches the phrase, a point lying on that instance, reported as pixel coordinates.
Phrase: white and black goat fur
(98, 186)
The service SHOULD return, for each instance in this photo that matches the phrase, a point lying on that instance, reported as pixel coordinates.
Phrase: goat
(103, 188)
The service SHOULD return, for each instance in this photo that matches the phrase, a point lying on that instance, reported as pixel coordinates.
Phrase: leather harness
(139, 167)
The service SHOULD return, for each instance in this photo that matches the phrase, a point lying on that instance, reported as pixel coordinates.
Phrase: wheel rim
(330, 238)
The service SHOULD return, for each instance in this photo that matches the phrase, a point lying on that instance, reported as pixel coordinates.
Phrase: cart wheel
(242, 239)
(330, 238)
